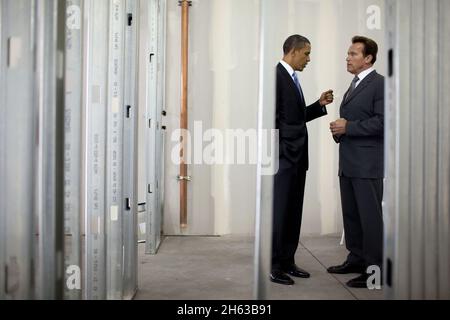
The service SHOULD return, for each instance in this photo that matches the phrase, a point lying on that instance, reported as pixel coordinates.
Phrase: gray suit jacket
(361, 150)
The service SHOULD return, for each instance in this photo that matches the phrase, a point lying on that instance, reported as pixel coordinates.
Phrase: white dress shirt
(289, 69)
(364, 74)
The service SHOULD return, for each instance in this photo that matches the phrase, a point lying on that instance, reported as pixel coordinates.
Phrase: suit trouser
(289, 187)
(363, 220)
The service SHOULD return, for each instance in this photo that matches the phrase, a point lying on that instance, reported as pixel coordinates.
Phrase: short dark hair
(370, 46)
(295, 41)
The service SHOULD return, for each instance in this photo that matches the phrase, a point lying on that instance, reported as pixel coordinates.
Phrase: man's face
(300, 57)
(356, 62)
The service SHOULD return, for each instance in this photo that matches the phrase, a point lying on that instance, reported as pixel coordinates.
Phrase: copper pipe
(183, 178)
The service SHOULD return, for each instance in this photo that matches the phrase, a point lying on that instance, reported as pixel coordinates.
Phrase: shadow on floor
(221, 268)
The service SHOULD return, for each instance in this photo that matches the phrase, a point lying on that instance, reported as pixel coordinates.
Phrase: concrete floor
(221, 268)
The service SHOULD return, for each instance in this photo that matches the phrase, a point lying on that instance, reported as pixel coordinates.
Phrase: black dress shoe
(297, 272)
(346, 268)
(358, 282)
(281, 278)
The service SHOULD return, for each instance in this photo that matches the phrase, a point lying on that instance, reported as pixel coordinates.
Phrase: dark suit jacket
(361, 150)
(291, 117)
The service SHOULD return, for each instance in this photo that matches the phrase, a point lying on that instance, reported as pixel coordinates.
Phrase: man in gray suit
(360, 134)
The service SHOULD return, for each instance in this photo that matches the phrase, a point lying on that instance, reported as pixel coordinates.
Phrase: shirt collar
(364, 74)
(289, 69)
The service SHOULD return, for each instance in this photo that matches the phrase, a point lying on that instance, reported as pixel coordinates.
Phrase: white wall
(223, 79)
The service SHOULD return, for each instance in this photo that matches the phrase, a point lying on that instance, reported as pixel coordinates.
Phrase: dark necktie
(352, 87)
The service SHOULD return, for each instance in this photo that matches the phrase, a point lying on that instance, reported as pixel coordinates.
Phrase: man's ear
(369, 58)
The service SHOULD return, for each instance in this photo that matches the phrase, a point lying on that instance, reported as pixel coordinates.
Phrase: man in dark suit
(289, 182)
(360, 134)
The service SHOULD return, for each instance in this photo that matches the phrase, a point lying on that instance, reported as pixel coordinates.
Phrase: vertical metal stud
(430, 120)
(59, 149)
(48, 183)
(17, 175)
(264, 182)
(443, 181)
(96, 105)
(2, 154)
(73, 155)
(417, 133)
(153, 16)
(130, 154)
(403, 163)
(116, 112)
(70, 145)
(417, 126)
(160, 134)
(151, 105)
(390, 205)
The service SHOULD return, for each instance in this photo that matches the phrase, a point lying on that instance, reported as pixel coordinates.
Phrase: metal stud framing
(31, 249)
(73, 140)
(110, 103)
(417, 264)
(96, 95)
(17, 127)
(264, 182)
(68, 164)
(129, 149)
(153, 20)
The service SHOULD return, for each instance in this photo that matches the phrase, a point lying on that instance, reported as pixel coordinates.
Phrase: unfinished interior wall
(223, 79)
(417, 217)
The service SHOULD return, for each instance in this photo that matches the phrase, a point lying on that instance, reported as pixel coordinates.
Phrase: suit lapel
(360, 87)
(289, 80)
